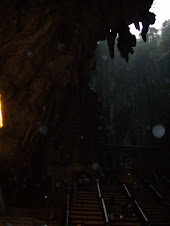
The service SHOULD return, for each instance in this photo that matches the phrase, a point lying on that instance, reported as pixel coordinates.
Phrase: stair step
(92, 223)
(126, 224)
(86, 205)
(87, 217)
(87, 197)
(87, 208)
(85, 212)
(93, 202)
(87, 193)
(92, 209)
(115, 196)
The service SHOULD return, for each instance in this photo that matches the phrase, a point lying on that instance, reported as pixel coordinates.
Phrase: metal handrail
(105, 212)
(156, 191)
(155, 175)
(144, 180)
(153, 188)
(103, 203)
(166, 179)
(98, 189)
(134, 201)
(127, 191)
(141, 211)
(68, 209)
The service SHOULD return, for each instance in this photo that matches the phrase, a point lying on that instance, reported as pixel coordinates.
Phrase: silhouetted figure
(85, 182)
(135, 185)
(80, 182)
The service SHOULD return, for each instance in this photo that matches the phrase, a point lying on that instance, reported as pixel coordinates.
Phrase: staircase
(156, 214)
(19, 221)
(119, 199)
(87, 209)
(163, 189)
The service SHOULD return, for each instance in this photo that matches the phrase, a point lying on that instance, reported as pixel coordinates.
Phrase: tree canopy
(135, 96)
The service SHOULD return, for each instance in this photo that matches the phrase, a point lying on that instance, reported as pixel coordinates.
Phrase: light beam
(1, 122)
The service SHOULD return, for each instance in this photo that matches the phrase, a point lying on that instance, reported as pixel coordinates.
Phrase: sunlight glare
(161, 9)
(1, 123)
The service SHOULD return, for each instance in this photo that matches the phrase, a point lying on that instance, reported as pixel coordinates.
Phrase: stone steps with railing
(150, 201)
(115, 190)
(87, 208)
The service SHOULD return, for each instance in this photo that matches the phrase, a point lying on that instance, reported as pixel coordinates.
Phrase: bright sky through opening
(161, 9)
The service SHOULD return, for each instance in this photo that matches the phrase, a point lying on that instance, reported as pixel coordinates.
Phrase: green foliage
(165, 36)
(134, 95)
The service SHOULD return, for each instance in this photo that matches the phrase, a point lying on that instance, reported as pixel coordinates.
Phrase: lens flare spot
(95, 165)
(44, 130)
(158, 131)
(104, 57)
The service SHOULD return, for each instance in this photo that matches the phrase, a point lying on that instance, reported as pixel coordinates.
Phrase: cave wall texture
(46, 51)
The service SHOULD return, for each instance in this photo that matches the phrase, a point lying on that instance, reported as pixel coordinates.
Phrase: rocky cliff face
(46, 52)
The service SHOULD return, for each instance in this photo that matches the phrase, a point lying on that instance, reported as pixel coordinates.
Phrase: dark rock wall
(46, 51)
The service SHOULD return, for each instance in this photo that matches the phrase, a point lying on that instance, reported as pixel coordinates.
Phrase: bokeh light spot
(158, 131)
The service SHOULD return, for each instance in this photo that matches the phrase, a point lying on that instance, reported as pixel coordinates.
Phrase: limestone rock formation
(46, 51)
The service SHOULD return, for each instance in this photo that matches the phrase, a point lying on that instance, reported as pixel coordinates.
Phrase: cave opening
(84, 124)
